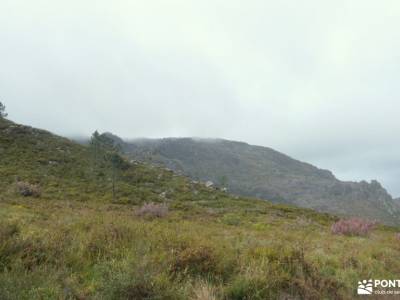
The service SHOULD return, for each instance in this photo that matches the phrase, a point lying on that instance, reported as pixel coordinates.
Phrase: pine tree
(95, 148)
(3, 113)
(106, 156)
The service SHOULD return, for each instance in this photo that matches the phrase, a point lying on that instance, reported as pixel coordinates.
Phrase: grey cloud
(315, 80)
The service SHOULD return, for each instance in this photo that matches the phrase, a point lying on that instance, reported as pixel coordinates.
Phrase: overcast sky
(318, 80)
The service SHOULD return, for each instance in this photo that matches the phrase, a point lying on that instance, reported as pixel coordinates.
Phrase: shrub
(353, 227)
(397, 236)
(153, 210)
(199, 260)
(26, 189)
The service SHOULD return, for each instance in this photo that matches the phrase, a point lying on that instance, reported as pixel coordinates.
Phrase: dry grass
(98, 251)
(203, 291)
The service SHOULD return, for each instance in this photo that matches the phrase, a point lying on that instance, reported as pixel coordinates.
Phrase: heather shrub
(153, 210)
(397, 236)
(26, 189)
(200, 260)
(352, 227)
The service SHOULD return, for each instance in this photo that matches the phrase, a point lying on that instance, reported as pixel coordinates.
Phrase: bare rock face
(265, 173)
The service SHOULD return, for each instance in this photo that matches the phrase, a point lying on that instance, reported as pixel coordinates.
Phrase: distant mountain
(265, 173)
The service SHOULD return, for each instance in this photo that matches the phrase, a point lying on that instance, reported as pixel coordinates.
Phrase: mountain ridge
(265, 173)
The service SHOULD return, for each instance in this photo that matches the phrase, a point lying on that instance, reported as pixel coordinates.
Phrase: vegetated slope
(76, 242)
(265, 173)
(66, 170)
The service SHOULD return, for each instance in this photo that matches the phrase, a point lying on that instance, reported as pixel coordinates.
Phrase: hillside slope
(76, 241)
(65, 170)
(265, 173)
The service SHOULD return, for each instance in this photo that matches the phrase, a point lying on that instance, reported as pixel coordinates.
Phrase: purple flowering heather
(353, 226)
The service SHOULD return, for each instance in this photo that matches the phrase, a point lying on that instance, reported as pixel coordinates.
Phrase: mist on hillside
(315, 81)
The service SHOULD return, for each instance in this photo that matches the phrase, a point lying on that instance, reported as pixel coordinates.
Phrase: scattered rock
(209, 184)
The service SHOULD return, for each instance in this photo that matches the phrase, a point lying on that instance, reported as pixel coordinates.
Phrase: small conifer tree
(3, 113)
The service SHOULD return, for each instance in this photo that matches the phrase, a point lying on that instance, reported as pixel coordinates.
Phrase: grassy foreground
(221, 249)
(76, 242)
